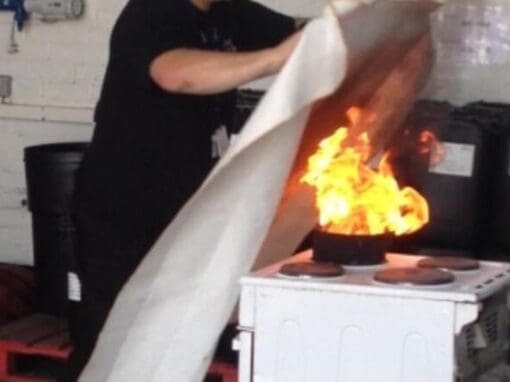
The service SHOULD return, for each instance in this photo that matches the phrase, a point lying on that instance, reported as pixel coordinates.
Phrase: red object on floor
(47, 337)
(39, 335)
(226, 371)
(17, 292)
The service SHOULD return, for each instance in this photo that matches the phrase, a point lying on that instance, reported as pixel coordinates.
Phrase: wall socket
(5, 86)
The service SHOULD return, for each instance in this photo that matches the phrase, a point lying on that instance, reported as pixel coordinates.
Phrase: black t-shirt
(151, 149)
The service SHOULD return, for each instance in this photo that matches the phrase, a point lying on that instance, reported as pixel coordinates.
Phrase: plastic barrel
(458, 196)
(50, 174)
(458, 189)
(494, 119)
(499, 233)
(499, 238)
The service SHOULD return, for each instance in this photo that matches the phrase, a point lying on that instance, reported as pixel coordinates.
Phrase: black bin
(50, 175)
(497, 117)
(500, 214)
(459, 201)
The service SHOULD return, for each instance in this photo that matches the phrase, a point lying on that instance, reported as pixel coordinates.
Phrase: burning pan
(349, 249)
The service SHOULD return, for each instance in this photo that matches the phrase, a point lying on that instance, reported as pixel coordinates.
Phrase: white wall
(472, 44)
(59, 64)
(474, 36)
(57, 75)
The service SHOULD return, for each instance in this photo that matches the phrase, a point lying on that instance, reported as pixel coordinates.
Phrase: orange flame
(354, 115)
(430, 144)
(354, 199)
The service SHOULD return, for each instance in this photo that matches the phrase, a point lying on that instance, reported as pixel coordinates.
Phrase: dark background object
(50, 173)
(246, 102)
(500, 225)
(460, 205)
(406, 155)
(495, 117)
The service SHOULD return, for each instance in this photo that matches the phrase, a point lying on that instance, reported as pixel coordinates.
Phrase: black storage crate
(460, 200)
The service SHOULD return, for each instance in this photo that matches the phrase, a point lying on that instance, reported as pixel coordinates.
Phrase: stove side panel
(310, 336)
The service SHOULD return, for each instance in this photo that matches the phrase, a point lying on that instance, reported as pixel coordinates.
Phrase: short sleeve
(258, 27)
(143, 33)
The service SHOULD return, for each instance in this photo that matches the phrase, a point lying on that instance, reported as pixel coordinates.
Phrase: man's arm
(194, 71)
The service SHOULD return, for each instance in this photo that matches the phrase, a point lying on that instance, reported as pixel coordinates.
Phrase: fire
(354, 199)
(430, 145)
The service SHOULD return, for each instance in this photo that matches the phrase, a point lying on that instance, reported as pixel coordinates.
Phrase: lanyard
(212, 39)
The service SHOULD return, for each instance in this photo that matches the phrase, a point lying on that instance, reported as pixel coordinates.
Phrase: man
(161, 122)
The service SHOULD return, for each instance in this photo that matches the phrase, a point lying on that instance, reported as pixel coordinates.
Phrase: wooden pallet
(47, 337)
(40, 336)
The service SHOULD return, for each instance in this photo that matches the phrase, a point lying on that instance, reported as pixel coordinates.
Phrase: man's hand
(283, 51)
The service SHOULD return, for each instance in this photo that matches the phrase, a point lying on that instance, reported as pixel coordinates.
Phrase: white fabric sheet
(165, 322)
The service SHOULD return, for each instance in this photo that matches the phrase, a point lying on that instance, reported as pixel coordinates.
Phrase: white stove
(354, 328)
